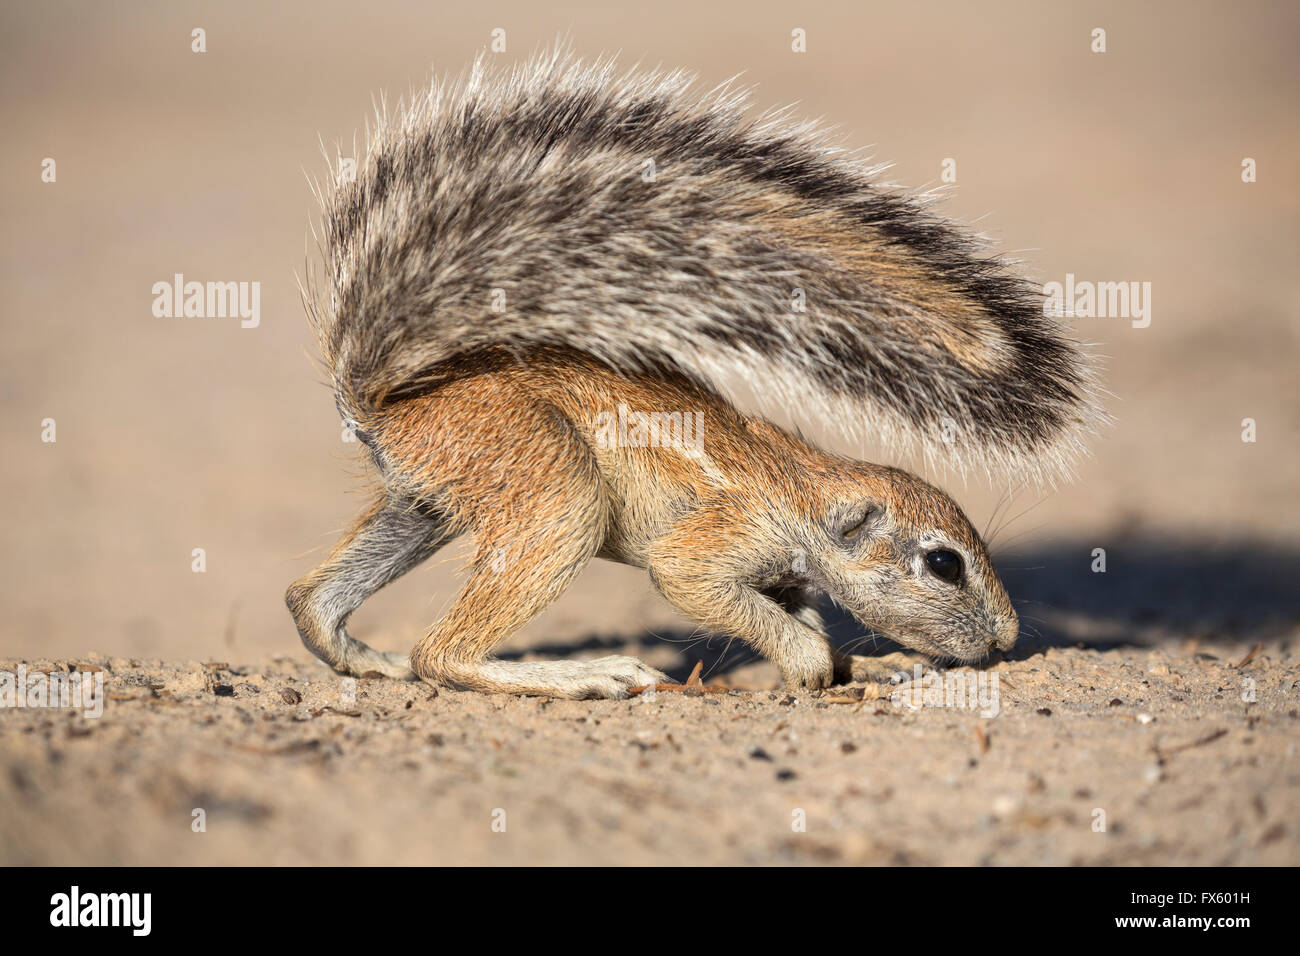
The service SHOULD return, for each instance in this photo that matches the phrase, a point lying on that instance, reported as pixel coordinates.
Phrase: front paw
(809, 673)
(896, 668)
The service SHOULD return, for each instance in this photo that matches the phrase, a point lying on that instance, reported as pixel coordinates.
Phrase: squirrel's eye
(946, 564)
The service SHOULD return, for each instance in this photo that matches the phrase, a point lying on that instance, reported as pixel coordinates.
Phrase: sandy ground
(175, 435)
(1112, 757)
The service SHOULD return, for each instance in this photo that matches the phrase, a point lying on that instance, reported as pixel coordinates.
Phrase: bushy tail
(563, 205)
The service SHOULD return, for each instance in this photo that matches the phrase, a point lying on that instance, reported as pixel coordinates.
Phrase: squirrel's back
(567, 206)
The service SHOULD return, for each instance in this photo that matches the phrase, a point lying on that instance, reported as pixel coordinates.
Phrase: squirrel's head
(901, 557)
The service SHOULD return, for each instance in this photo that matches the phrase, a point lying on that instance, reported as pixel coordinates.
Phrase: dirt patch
(1124, 756)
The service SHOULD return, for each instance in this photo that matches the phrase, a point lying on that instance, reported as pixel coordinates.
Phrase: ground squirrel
(542, 286)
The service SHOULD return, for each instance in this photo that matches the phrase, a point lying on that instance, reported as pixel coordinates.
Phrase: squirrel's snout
(1005, 636)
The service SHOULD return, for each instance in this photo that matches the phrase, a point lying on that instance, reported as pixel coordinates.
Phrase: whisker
(1010, 521)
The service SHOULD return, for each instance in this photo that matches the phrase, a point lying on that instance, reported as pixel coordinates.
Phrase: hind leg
(535, 533)
(386, 542)
(501, 597)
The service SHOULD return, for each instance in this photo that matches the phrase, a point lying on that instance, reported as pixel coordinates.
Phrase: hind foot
(606, 677)
(361, 660)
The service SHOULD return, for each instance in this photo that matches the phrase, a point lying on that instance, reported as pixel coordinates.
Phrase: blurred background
(175, 434)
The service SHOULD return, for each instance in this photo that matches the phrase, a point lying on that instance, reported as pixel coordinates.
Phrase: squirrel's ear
(851, 522)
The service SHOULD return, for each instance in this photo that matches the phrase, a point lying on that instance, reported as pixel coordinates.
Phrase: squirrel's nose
(1005, 636)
